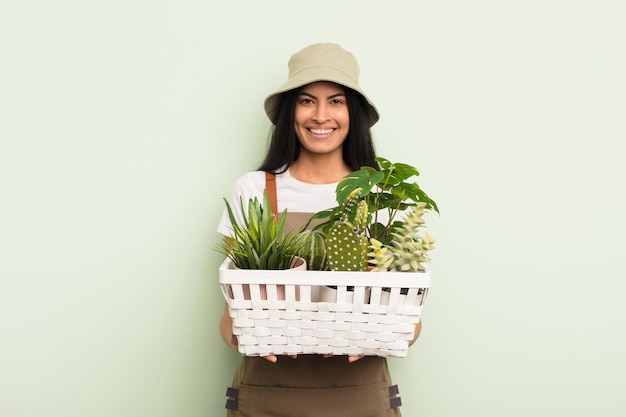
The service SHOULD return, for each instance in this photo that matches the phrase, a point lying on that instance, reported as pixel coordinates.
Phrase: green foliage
(369, 201)
(408, 250)
(353, 234)
(390, 190)
(260, 242)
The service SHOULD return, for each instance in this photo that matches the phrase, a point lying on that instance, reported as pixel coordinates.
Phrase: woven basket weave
(290, 318)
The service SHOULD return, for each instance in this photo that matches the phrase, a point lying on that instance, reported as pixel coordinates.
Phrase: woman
(321, 133)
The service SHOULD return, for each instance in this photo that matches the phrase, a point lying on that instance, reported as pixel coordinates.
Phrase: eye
(305, 101)
(337, 101)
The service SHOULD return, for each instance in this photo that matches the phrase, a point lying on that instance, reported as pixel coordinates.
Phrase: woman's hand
(351, 358)
(274, 358)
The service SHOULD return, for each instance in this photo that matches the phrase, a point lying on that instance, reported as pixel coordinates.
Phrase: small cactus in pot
(346, 243)
(313, 250)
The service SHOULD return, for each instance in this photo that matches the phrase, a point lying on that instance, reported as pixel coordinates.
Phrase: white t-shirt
(293, 195)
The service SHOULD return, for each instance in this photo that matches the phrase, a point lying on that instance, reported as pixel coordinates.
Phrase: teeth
(321, 131)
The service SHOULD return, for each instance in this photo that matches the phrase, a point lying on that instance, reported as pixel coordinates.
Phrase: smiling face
(321, 118)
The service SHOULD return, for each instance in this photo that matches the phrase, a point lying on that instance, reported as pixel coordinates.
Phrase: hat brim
(311, 75)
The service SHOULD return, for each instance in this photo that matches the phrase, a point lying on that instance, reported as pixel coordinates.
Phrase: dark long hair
(284, 148)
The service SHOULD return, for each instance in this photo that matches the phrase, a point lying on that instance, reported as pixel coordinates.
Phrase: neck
(321, 169)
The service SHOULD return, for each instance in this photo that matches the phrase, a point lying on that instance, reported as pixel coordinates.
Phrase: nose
(321, 114)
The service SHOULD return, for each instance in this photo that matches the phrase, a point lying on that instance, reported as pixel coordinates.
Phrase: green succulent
(260, 241)
(380, 257)
(408, 251)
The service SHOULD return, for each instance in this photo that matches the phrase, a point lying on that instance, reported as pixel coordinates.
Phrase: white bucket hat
(321, 62)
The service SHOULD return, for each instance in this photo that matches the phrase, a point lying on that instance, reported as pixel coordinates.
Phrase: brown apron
(311, 385)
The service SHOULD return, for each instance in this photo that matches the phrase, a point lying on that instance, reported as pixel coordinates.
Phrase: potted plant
(383, 210)
(260, 242)
(313, 249)
(378, 222)
(375, 209)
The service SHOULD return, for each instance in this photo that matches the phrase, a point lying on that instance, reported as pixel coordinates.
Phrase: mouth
(320, 131)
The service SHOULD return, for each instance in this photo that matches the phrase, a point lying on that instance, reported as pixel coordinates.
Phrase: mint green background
(123, 123)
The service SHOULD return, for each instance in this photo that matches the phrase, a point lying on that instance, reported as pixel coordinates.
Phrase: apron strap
(270, 186)
(232, 403)
(393, 400)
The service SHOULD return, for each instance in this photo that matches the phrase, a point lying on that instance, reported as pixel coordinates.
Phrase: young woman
(321, 133)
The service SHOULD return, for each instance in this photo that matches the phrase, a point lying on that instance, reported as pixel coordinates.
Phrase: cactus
(346, 243)
(313, 250)
(408, 250)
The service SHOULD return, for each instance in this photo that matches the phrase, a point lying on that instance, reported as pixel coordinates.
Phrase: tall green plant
(260, 241)
(390, 190)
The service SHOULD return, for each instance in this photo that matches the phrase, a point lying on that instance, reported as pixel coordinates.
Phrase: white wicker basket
(366, 321)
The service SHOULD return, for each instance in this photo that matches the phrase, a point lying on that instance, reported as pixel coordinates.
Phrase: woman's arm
(226, 322)
(418, 329)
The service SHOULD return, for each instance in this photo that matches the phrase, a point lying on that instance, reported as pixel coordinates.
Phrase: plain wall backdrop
(123, 124)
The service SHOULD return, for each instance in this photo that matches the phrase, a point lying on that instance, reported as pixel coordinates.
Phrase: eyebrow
(304, 93)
